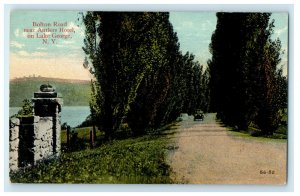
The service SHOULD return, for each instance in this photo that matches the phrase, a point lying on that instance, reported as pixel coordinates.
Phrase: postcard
(99, 97)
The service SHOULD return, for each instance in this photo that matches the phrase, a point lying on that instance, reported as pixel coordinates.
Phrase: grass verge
(128, 161)
(246, 135)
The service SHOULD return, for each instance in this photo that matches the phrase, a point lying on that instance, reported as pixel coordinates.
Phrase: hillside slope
(74, 92)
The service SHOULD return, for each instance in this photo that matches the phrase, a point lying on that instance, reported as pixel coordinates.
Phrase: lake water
(73, 115)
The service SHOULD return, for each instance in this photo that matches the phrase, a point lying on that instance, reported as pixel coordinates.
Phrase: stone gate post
(37, 138)
(47, 127)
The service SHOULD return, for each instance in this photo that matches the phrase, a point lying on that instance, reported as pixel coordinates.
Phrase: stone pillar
(14, 144)
(47, 123)
(36, 138)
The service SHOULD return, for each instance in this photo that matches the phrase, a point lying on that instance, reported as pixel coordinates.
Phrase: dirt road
(207, 154)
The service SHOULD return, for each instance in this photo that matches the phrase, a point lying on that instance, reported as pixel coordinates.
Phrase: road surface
(206, 153)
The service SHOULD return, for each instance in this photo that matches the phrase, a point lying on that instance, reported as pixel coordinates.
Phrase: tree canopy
(142, 78)
(246, 84)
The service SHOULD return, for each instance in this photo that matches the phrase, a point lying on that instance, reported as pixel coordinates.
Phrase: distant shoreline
(74, 92)
(50, 80)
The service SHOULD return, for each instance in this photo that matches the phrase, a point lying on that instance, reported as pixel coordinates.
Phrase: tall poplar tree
(142, 78)
(160, 51)
(243, 70)
(120, 59)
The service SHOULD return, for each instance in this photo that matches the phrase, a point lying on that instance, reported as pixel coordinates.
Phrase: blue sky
(64, 58)
(30, 56)
(194, 30)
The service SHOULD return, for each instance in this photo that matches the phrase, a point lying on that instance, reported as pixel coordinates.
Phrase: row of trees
(141, 77)
(247, 86)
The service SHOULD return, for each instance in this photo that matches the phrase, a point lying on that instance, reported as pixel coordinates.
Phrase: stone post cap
(46, 88)
(46, 91)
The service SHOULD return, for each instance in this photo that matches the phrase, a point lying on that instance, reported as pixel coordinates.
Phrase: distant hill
(74, 92)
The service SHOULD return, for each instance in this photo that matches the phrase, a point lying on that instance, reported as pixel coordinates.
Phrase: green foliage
(246, 85)
(274, 138)
(142, 79)
(137, 160)
(157, 82)
(27, 109)
(74, 93)
(117, 60)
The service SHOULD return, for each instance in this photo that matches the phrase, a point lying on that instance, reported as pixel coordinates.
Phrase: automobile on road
(199, 115)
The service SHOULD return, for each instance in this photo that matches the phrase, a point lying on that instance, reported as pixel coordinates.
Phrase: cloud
(68, 42)
(17, 32)
(81, 33)
(25, 34)
(278, 32)
(16, 44)
(72, 25)
(41, 48)
(71, 45)
(187, 24)
(59, 45)
(207, 25)
(39, 54)
(23, 53)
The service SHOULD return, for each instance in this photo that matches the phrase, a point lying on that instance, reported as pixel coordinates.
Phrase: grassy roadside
(133, 160)
(280, 134)
(247, 135)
